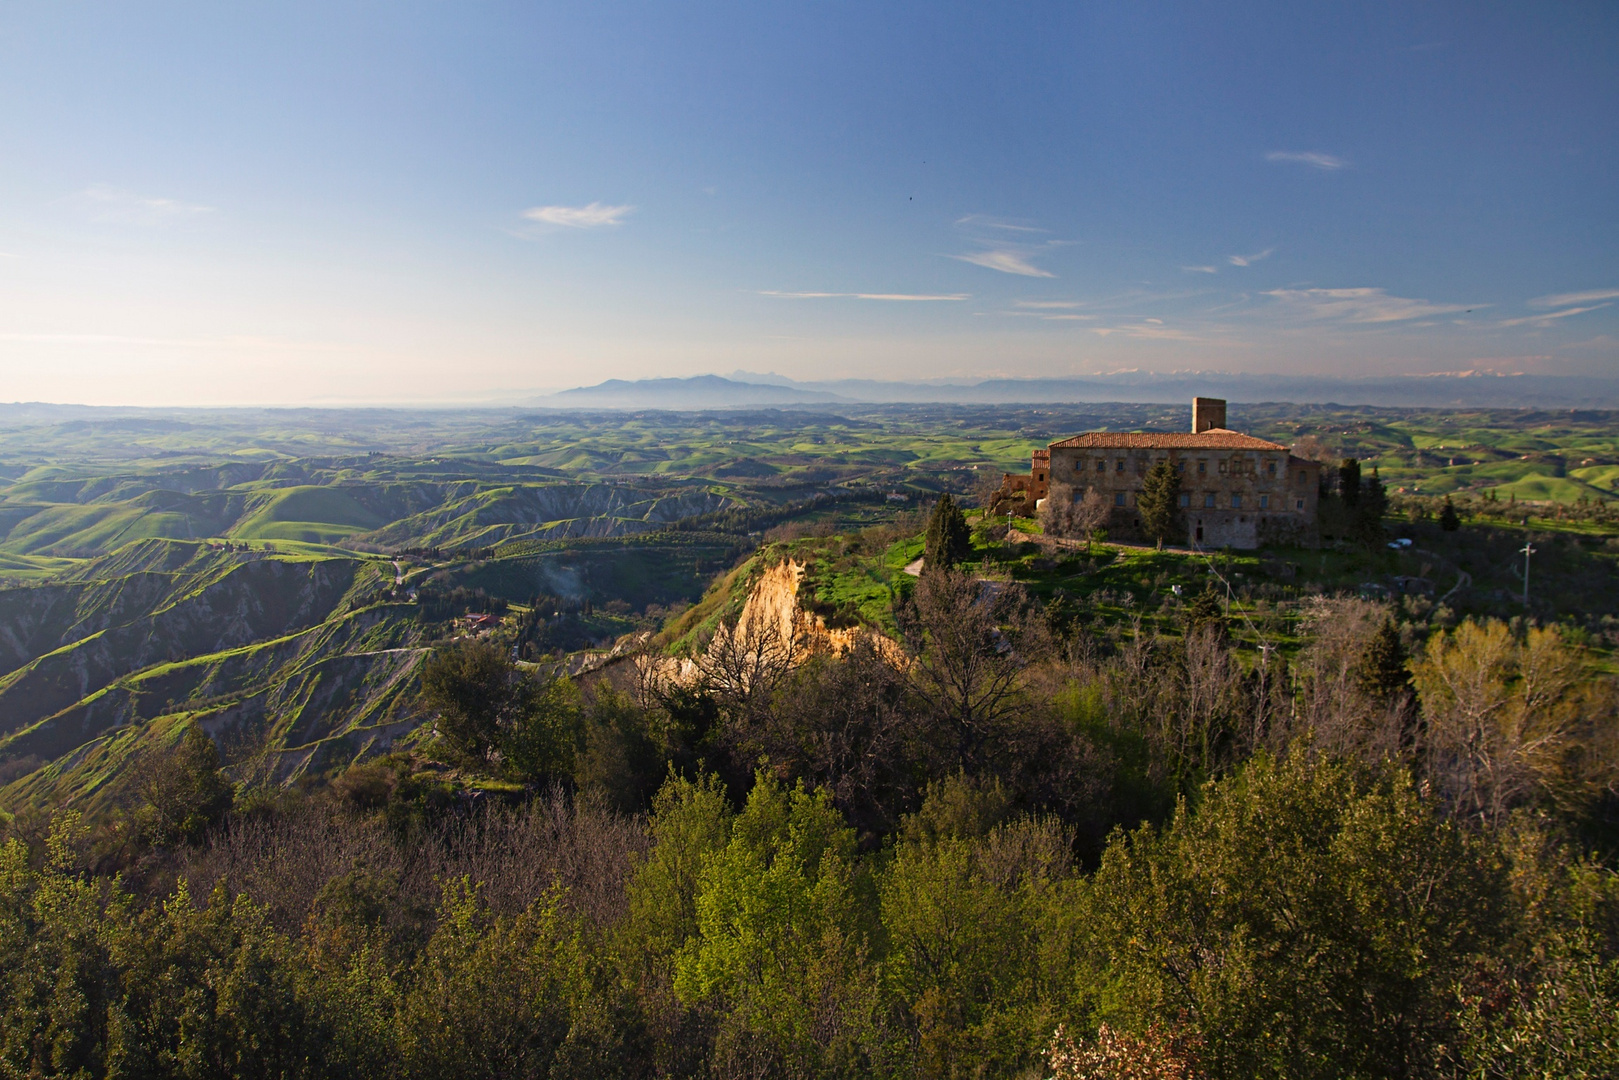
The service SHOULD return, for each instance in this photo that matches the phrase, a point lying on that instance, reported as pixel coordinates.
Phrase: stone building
(1236, 490)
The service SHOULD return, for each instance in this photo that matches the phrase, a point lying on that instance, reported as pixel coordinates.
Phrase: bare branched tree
(848, 724)
(971, 640)
(1330, 703)
(1064, 515)
(746, 661)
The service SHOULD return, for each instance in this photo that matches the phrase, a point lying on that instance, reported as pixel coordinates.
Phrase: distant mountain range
(1450, 389)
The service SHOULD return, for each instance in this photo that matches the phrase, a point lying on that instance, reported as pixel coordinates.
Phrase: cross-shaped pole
(1528, 549)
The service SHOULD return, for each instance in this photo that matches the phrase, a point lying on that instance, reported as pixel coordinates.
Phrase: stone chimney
(1207, 412)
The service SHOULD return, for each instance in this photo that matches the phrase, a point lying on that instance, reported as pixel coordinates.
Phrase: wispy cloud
(1201, 269)
(1007, 261)
(1546, 319)
(1360, 305)
(1249, 260)
(1007, 246)
(781, 295)
(1146, 330)
(103, 202)
(1051, 316)
(1565, 299)
(590, 216)
(1047, 303)
(1313, 158)
(985, 221)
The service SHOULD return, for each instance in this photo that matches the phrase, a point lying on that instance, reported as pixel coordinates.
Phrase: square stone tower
(1207, 412)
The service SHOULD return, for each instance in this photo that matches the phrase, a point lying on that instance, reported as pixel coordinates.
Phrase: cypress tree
(1206, 611)
(1448, 521)
(1349, 482)
(949, 541)
(1373, 503)
(1380, 671)
(1159, 504)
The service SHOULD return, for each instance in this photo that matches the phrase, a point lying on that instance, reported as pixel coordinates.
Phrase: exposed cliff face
(772, 621)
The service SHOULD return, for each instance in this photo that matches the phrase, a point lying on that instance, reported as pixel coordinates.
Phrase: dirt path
(1462, 581)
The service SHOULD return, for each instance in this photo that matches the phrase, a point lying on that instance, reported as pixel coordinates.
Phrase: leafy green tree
(1509, 722)
(949, 541)
(962, 906)
(784, 923)
(1548, 1003)
(540, 738)
(473, 688)
(488, 708)
(1159, 504)
(209, 991)
(56, 979)
(622, 760)
(511, 997)
(185, 790)
(1307, 920)
(690, 823)
(1448, 521)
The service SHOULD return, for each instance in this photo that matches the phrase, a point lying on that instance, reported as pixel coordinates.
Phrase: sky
(334, 203)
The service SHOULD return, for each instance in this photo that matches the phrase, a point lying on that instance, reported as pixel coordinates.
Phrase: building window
(1236, 502)
(1301, 504)
(1118, 498)
(1202, 467)
(1186, 500)
(1270, 469)
(1208, 501)
(1120, 466)
(1222, 468)
(1180, 466)
(1264, 502)
(1101, 466)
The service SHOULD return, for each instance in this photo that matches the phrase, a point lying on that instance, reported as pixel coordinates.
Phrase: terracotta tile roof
(1212, 439)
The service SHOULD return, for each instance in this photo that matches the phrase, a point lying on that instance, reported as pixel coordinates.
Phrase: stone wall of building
(1229, 498)
(1236, 490)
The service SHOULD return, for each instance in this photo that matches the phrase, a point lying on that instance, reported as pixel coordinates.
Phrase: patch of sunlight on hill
(1605, 477)
(314, 515)
(64, 530)
(1543, 489)
(33, 567)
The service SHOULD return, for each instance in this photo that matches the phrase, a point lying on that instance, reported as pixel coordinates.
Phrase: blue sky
(308, 203)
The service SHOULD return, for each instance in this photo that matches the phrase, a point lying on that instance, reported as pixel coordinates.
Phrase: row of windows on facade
(1209, 501)
(1180, 465)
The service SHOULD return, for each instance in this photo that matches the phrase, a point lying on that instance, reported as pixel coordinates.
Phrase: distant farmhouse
(1236, 490)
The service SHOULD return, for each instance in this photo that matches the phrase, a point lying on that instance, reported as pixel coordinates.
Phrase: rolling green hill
(236, 568)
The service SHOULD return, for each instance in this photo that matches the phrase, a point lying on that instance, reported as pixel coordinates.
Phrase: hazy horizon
(328, 206)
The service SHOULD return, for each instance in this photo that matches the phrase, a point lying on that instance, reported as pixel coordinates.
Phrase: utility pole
(1528, 549)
